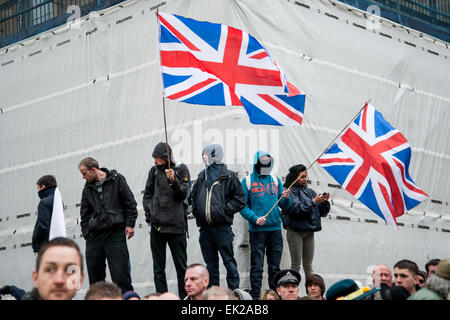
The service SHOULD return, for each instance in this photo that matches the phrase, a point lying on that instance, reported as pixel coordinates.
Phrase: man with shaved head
(381, 275)
(382, 279)
(196, 281)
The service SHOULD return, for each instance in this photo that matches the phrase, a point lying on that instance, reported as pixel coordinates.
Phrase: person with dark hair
(437, 286)
(303, 218)
(46, 186)
(406, 275)
(315, 287)
(59, 271)
(423, 276)
(216, 197)
(165, 212)
(103, 290)
(430, 266)
(262, 191)
(108, 216)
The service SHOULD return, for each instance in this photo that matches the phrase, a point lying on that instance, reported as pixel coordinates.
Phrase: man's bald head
(381, 275)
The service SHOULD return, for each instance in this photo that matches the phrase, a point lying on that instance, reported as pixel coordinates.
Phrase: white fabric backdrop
(95, 91)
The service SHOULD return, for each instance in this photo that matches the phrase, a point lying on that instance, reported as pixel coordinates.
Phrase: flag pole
(325, 150)
(164, 106)
(165, 131)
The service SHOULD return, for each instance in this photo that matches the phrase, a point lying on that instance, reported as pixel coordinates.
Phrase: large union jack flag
(371, 160)
(213, 64)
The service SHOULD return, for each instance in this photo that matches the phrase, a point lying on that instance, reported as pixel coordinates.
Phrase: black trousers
(177, 245)
(111, 246)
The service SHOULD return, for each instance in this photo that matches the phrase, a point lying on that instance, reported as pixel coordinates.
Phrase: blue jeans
(270, 242)
(214, 240)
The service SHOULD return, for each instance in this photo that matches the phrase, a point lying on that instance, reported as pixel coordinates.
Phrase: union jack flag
(213, 64)
(371, 160)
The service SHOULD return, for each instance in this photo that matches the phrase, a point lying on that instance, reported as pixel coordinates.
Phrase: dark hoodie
(160, 151)
(42, 227)
(163, 200)
(215, 205)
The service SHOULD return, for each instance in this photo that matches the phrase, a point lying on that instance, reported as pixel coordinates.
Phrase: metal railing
(20, 19)
(434, 11)
(428, 16)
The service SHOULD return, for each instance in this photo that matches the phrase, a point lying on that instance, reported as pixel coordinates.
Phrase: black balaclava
(263, 168)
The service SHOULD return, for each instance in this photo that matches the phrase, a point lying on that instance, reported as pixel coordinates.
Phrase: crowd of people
(108, 213)
(59, 274)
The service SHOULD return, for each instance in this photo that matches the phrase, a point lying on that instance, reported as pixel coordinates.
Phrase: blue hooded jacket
(42, 227)
(261, 197)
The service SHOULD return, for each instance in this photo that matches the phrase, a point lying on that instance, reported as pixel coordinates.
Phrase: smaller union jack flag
(371, 160)
(213, 64)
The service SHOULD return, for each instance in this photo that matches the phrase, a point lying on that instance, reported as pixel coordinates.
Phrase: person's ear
(34, 277)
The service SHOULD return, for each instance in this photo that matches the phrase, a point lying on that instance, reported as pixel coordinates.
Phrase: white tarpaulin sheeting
(95, 90)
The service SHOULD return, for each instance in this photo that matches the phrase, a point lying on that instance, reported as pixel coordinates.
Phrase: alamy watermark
(74, 279)
(239, 145)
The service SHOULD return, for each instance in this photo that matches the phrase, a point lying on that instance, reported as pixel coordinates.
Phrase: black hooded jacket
(217, 205)
(117, 208)
(163, 201)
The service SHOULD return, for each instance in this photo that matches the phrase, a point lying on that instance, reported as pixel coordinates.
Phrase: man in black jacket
(216, 196)
(163, 201)
(46, 186)
(108, 215)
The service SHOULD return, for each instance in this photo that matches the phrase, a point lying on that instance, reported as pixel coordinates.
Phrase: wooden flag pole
(317, 158)
(164, 111)
(165, 131)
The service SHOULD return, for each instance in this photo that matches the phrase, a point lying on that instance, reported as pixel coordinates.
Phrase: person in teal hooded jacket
(262, 190)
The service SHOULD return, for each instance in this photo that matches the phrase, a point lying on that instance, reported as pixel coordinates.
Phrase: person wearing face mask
(262, 191)
(165, 212)
(216, 196)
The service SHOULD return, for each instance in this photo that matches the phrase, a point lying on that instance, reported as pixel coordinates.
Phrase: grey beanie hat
(242, 295)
